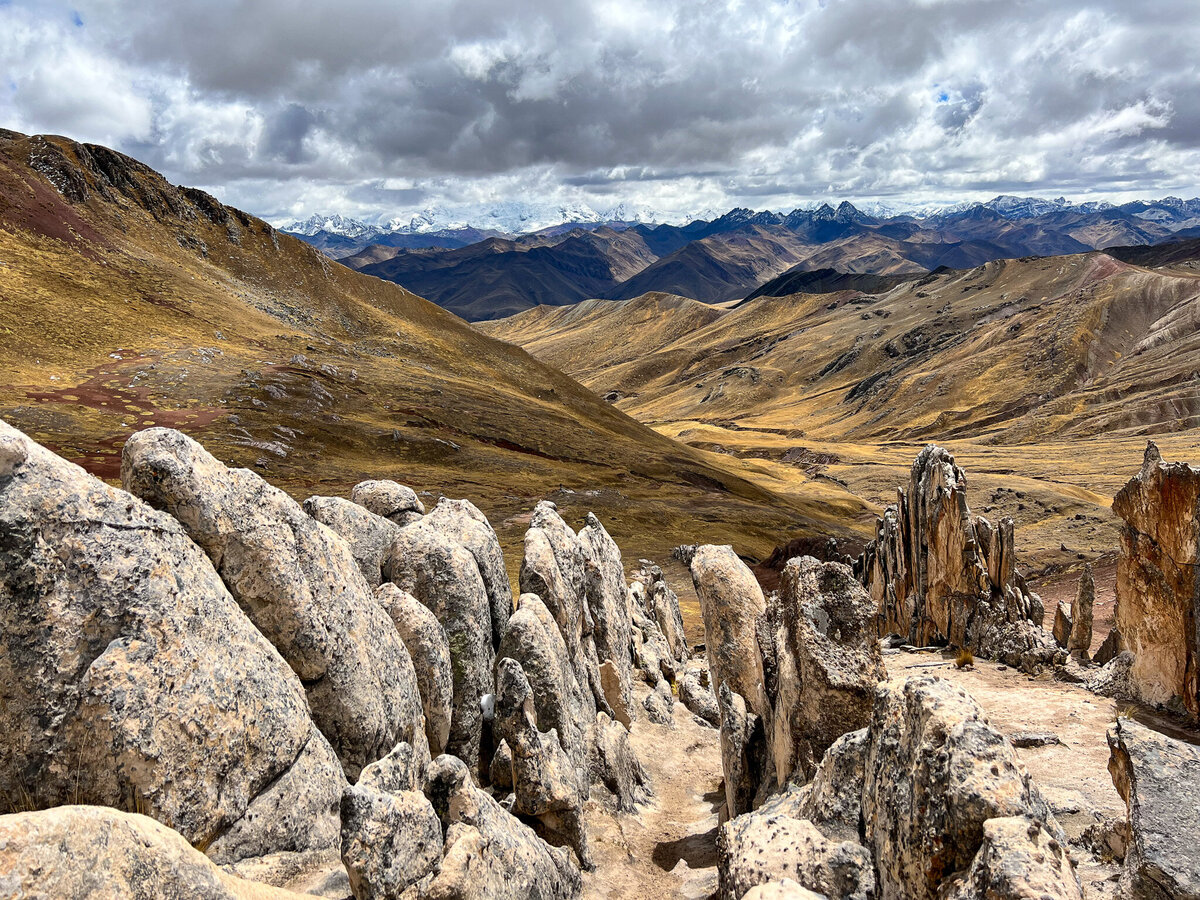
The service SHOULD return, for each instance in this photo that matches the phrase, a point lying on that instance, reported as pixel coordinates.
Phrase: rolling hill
(129, 302)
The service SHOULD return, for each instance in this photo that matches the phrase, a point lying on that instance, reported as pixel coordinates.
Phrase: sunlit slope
(128, 302)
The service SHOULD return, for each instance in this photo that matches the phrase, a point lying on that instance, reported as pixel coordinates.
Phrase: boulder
(395, 502)
(1115, 678)
(463, 522)
(696, 694)
(1080, 640)
(552, 568)
(489, 854)
(781, 890)
(938, 574)
(615, 766)
(935, 772)
(664, 604)
(130, 678)
(659, 709)
(367, 535)
(617, 694)
(833, 799)
(1110, 648)
(731, 603)
(759, 848)
(429, 648)
(500, 771)
(299, 584)
(533, 640)
(604, 589)
(444, 577)
(1062, 624)
(828, 663)
(1159, 779)
(1157, 587)
(1018, 860)
(546, 784)
(103, 854)
(390, 840)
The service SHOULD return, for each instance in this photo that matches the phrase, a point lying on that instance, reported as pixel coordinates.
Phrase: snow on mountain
(335, 224)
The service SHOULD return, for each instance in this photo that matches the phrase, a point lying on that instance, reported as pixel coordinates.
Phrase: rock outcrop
(1159, 779)
(1157, 581)
(299, 584)
(367, 534)
(429, 648)
(488, 854)
(130, 678)
(104, 854)
(695, 693)
(464, 523)
(390, 840)
(1080, 640)
(443, 576)
(827, 662)
(395, 502)
(937, 573)
(604, 590)
(732, 604)
(1019, 859)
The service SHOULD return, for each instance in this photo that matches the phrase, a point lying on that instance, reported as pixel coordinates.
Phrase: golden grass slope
(126, 302)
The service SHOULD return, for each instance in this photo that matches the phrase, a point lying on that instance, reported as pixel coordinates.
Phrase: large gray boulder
(462, 521)
(695, 693)
(828, 663)
(1159, 779)
(604, 587)
(615, 766)
(488, 853)
(367, 534)
(443, 575)
(299, 584)
(129, 677)
(546, 784)
(390, 840)
(104, 854)
(1018, 860)
(533, 640)
(552, 567)
(427, 644)
(935, 772)
(732, 606)
(396, 502)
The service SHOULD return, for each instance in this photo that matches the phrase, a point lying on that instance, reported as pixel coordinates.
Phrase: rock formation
(464, 523)
(299, 584)
(732, 603)
(367, 534)
(1157, 584)
(1080, 640)
(443, 576)
(429, 648)
(604, 589)
(827, 663)
(130, 678)
(1158, 777)
(1018, 859)
(695, 693)
(937, 573)
(395, 502)
(104, 854)
(390, 840)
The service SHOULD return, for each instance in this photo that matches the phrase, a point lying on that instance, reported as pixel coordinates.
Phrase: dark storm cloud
(365, 106)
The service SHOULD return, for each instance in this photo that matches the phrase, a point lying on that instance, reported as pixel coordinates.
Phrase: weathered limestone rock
(1080, 641)
(367, 534)
(300, 585)
(759, 848)
(615, 765)
(1110, 648)
(604, 587)
(103, 854)
(1157, 585)
(389, 841)
(500, 771)
(935, 772)
(938, 574)
(781, 890)
(833, 799)
(546, 784)
(401, 770)
(489, 854)
(695, 692)
(828, 660)
(731, 603)
(444, 577)
(1115, 678)
(429, 648)
(662, 605)
(533, 640)
(462, 521)
(658, 708)
(129, 677)
(1019, 859)
(1159, 779)
(1062, 624)
(552, 568)
(396, 502)
(617, 694)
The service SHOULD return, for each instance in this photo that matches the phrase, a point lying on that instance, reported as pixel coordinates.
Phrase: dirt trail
(668, 847)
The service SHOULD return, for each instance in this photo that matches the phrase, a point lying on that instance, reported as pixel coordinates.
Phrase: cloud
(290, 109)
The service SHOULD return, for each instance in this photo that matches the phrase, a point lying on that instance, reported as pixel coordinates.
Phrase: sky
(379, 109)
